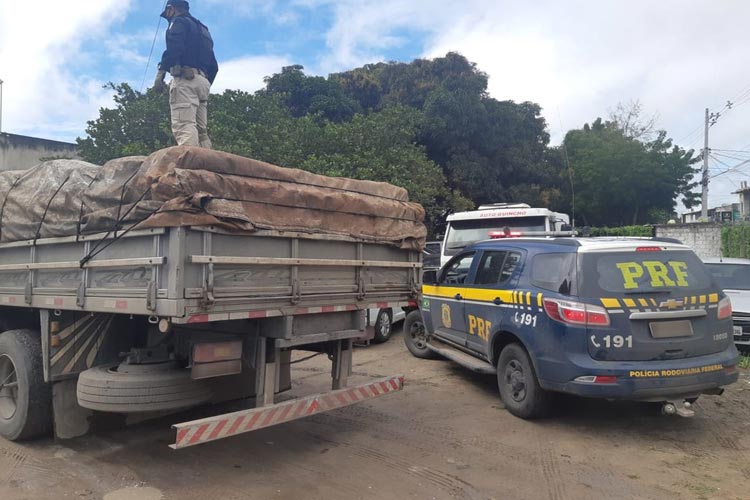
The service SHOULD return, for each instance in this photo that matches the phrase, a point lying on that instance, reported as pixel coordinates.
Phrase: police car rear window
(643, 272)
(554, 272)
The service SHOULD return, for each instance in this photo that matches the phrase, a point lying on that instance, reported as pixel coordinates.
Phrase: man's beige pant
(188, 100)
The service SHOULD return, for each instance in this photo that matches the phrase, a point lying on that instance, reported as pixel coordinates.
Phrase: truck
(199, 299)
(498, 220)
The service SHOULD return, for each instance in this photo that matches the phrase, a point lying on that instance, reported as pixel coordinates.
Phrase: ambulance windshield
(462, 233)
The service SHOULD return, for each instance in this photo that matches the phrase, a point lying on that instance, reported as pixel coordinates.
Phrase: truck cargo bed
(201, 274)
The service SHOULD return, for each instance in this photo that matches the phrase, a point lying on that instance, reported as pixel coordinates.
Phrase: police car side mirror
(429, 277)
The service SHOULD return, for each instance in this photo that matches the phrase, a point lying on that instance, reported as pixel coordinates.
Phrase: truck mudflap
(231, 424)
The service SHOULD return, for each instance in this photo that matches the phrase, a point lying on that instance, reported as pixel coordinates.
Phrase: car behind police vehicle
(638, 319)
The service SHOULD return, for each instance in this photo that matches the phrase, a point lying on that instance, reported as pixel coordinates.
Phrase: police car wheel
(519, 386)
(415, 336)
(383, 326)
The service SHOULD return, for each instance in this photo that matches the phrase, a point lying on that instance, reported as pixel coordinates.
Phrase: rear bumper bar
(650, 380)
(231, 424)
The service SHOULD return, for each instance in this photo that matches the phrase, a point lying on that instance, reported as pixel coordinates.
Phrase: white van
(500, 220)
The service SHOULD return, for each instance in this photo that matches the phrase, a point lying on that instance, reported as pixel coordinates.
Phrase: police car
(621, 318)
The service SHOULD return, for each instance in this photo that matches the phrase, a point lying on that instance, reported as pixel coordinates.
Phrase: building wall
(19, 152)
(703, 238)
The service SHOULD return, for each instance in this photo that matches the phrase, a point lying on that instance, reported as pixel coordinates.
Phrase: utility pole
(704, 179)
(711, 119)
(1, 106)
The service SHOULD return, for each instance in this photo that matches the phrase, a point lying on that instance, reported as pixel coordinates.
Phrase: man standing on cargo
(190, 60)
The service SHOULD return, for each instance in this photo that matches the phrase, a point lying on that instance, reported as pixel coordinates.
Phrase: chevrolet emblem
(672, 304)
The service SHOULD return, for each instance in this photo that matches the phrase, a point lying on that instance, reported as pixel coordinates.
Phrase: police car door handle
(458, 297)
(497, 301)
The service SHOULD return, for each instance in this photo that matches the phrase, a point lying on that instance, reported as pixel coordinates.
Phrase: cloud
(281, 13)
(578, 58)
(45, 91)
(247, 73)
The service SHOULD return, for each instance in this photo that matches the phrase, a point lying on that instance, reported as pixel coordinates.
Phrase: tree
(305, 95)
(139, 124)
(620, 180)
(629, 118)
(489, 150)
(381, 147)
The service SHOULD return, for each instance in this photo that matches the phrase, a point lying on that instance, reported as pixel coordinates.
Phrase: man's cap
(179, 4)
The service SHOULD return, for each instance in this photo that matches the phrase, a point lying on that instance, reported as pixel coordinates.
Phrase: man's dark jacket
(189, 44)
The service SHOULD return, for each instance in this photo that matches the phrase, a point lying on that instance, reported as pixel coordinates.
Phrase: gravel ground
(446, 435)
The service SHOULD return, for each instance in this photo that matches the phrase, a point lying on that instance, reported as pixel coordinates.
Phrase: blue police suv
(617, 318)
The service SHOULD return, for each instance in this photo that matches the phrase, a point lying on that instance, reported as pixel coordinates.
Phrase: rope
(150, 53)
(46, 209)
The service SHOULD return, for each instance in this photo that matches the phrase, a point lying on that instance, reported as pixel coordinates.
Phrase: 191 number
(613, 342)
(525, 319)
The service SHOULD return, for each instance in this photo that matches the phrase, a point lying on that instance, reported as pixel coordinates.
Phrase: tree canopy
(620, 180)
(429, 126)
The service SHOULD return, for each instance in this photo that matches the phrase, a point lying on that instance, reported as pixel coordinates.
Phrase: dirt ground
(444, 436)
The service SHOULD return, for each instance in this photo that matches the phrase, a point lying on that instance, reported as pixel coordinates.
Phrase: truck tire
(25, 399)
(415, 336)
(140, 388)
(519, 386)
(383, 326)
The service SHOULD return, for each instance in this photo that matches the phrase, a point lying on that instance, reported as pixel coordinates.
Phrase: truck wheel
(25, 399)
(140, 388)
(415, 336)
(383, 326)
(519, 386)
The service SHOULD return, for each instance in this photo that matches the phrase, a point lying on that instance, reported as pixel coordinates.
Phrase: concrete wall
(704, 238)
(19, 152)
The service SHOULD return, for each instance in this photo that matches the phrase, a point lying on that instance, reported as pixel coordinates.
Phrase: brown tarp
(187, 186)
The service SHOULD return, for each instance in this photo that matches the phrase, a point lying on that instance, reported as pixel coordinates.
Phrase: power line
(151, 52)
(689, 134)
(730, 169)
(732, 150)
(731, 157)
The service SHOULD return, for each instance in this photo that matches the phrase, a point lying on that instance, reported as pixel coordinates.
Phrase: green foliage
(381, 147)
(428, 126)
(735, 241)
(139, 124)
(489, 150)
(311, 95)
(620, 180)
(639, 231)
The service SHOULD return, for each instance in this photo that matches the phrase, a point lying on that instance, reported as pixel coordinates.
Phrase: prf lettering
(659, 274)
(479, 327)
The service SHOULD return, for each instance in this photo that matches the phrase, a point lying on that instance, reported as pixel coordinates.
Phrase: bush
(644, 231)
(735, 241)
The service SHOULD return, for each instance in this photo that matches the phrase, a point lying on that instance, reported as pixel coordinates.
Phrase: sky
(577, 58)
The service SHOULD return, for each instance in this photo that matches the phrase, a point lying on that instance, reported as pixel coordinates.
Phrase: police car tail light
(725, 308)
(597, 379)
(576, 313)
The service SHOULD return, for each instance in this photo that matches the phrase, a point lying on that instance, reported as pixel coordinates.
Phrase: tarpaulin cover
(188, 186)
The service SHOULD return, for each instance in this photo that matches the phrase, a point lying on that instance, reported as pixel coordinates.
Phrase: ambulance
(500, 220)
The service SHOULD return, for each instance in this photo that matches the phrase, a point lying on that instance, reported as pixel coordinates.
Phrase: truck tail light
(576, 313)
(725, 308)
(211, 352)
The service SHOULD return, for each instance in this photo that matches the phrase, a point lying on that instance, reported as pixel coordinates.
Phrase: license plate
(737, 330)
(667, 329)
